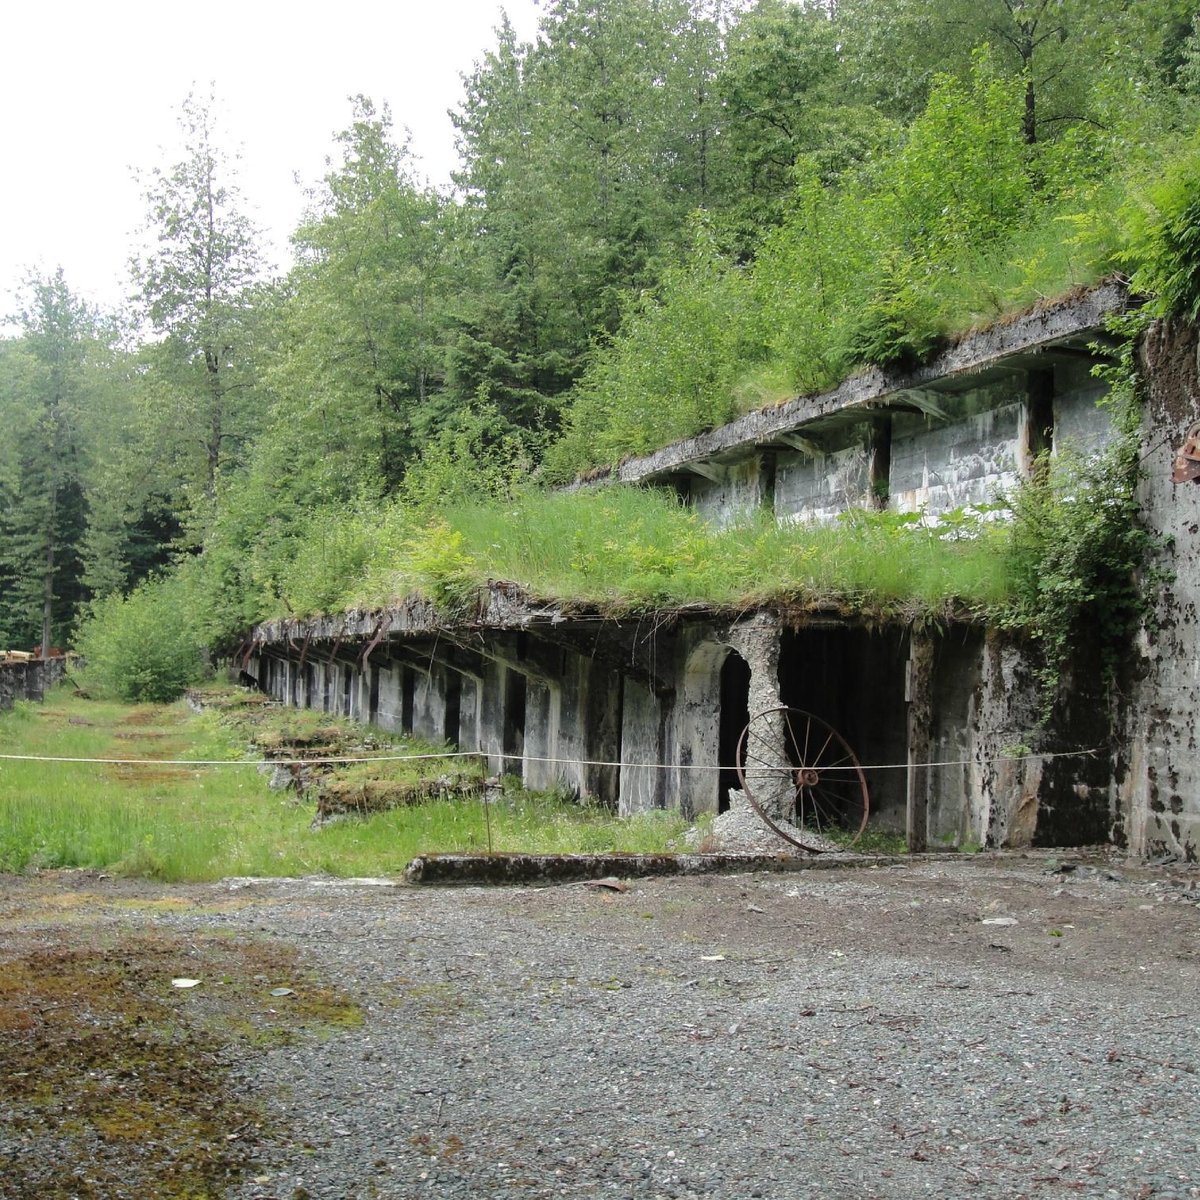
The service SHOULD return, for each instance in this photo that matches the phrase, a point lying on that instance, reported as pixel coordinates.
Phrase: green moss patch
(114, 1082)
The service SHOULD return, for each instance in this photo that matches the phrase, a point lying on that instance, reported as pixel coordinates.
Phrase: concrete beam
(919, 694)
(975, 352)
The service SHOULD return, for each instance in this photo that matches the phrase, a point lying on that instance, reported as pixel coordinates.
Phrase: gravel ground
(991, 1027)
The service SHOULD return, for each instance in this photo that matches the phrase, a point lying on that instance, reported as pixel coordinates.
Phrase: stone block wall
(970, 447)
(818, 487)
(730, 492)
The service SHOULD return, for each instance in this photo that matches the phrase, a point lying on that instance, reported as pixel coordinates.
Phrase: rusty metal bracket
(337, 645)
(1187, 461)
(376, 638)
(250, 648)
(304, 650)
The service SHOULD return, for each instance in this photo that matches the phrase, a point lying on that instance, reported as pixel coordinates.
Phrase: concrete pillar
(919, 694)
(768, 772)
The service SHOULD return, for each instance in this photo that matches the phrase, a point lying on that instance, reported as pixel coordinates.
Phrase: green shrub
(898, 326)
(1164, 238)
(144, 646)
(1080, 557)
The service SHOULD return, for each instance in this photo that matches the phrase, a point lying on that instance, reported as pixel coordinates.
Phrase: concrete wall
(643, 784)
(1080, 422)
(693, 747)
(559, 717)
(29, 680)
(817, 487)
(971, 447)
(1159, 772)
(939, 465)
(988, 786)
(731, 492)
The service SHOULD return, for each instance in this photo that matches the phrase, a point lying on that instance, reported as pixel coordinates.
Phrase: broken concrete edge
(506, 606)
(1079, 312)
(500, 869)
(499, 605)
(32, 678)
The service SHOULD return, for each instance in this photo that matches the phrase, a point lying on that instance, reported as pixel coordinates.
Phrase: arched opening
(711, 717)
(735, 716)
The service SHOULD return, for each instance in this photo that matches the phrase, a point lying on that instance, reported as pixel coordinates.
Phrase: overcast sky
(90, 90)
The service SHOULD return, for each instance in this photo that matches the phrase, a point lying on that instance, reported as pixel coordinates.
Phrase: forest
(667, 213)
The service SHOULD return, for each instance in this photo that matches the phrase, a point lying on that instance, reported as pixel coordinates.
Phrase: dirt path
(990, 1027)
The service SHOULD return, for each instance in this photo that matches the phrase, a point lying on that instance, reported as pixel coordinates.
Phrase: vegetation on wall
(1077, 549)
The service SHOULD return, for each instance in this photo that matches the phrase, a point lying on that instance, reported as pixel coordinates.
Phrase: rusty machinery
(797, 761)
(1187, 461)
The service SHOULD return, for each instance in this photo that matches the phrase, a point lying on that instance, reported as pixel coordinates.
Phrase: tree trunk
(48, 584)
(1029, 124)
(215, 421)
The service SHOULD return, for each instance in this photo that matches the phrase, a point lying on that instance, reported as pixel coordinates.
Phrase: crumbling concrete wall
(966, 448)
(572, 744)
(727, 493)
(821, 486)
(646, 717)
(29, 680)
(1159, 774)
(997, 778)
(756, 639)
(694, 744)
(1009, 779)
(1081, 423)
(643, 781)
(942, 465)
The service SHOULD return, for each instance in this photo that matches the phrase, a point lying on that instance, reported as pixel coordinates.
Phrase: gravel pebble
(834, 1033)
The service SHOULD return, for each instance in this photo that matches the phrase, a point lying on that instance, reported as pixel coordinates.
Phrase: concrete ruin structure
(29, 678)
(645, 713)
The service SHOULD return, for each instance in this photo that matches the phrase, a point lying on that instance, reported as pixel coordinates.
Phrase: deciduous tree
(195, 288)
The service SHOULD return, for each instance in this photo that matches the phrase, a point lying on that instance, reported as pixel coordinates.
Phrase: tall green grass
(208, 822)
(626, 549)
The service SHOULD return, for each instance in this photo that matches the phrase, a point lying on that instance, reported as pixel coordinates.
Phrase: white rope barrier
(530, 758)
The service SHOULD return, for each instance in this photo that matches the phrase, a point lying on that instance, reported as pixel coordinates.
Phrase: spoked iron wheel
(790, 758)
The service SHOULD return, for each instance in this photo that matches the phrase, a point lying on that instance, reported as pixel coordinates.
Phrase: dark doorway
(514, 722)
(453, 706)
(735, 716)
(408, 690)
(852, 679)
(373, 698)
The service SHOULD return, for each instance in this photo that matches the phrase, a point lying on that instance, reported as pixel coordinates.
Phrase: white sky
(89, 91)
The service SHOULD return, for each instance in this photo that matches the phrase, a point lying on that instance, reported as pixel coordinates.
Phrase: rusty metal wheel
(792, 761)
